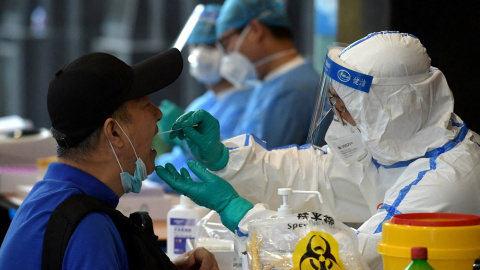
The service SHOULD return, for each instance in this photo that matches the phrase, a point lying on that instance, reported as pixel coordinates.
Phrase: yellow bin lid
(446, 235)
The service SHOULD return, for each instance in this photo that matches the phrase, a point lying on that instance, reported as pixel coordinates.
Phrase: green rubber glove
(213, 192)
(203, 139)
(170, 113)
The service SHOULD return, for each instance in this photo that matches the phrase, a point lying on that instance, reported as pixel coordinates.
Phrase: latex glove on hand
(212, 192)
(170, 113)
(203, 139)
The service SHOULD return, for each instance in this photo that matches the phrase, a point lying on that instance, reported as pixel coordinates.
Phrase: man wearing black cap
(104, 125)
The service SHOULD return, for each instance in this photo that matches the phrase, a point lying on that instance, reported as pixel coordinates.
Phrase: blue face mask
(132, 183)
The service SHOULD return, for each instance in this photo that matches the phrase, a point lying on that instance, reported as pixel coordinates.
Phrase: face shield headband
(334, 74)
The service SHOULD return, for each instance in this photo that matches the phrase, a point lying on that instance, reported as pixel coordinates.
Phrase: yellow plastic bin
(452, 240)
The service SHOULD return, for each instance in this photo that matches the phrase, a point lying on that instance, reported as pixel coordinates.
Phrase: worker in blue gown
(258, 49)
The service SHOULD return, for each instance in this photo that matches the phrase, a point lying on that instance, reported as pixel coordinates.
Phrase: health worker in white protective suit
(397, 147)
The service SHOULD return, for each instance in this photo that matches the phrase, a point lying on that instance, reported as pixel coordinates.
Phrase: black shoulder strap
(137, 233)
(62, 224)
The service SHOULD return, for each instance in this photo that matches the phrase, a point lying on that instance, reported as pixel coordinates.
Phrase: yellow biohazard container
(452, 240)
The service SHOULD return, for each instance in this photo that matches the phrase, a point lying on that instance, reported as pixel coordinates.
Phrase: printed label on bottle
(182, 221)
(180, 245)
(183, 229)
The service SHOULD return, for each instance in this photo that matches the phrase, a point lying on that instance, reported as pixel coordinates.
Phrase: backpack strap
(142, 247)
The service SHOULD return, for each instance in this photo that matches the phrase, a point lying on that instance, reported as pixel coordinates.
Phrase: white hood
(408, 108)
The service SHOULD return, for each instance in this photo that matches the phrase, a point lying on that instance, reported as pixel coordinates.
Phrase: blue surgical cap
(204, 30)
(237, 14)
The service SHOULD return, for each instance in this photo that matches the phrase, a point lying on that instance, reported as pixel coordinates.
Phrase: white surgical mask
(236, 67)
(345, 141)
(132, 183)
(239, 70)
(205, 64)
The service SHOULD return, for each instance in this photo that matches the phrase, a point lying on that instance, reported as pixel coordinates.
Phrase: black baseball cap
(83, 94)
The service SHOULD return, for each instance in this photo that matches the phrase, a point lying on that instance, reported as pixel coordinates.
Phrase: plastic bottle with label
(419, 259)
(181, 226)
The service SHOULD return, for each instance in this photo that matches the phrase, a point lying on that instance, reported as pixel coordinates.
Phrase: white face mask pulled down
(239, 70)
(345, 141)
(132, 183)
(205, 64)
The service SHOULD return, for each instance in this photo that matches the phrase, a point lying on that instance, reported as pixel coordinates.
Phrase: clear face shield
(332, 123)
(188, 27)
(324, 113)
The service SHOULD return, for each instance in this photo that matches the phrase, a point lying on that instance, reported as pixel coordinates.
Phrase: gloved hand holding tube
(213, 192)
(203, 139)
(171, 112)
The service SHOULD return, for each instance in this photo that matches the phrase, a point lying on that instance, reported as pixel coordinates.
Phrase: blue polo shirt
(95, 244)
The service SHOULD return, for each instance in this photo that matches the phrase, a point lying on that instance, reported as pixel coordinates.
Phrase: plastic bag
(302, 241)
(212, 234)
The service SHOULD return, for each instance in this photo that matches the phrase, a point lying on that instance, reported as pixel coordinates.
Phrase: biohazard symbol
(317, 250)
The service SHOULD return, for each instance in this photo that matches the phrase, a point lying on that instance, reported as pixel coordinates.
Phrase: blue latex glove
(203, 140)
(170, 113)
(213, 192)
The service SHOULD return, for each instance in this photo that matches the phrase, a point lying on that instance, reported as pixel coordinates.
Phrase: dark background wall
(449, 30)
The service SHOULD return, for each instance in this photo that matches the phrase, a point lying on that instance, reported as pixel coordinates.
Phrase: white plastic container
(181, 225)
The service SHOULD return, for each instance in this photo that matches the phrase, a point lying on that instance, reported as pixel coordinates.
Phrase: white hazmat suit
(421, 156)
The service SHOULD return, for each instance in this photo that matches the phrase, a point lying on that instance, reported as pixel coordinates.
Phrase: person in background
(104, 124)
(223, 100)
(258, 49)
(395, 146)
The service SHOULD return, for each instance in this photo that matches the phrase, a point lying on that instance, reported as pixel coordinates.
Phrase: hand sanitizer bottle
(181, 226)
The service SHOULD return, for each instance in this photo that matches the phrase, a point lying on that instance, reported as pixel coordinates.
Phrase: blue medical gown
(204, 102)
(228, 108)
(280, 110)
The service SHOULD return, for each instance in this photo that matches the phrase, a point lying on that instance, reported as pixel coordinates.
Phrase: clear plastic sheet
(213, 235)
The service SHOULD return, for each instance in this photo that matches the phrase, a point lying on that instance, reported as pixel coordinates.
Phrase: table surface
(14, 201)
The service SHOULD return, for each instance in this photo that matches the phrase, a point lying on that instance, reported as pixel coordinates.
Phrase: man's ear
(257, 29)
(112, 132)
